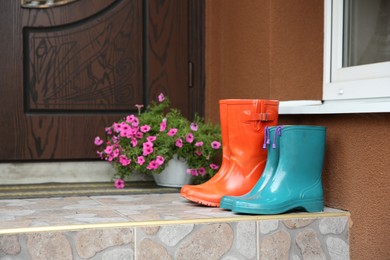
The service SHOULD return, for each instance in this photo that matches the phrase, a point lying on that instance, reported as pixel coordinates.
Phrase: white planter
(174, 175)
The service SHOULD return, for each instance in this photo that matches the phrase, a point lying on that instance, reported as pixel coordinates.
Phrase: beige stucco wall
(274, 49)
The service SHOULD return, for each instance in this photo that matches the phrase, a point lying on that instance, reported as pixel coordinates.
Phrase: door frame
(196, 57)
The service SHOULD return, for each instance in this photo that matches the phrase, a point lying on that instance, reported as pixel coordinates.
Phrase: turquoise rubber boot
(296, 183)
(270, 135)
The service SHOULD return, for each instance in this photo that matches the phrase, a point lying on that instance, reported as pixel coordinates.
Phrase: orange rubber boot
(223, 117)
(243, 136)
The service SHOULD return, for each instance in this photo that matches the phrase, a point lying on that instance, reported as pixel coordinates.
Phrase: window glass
(366, 37)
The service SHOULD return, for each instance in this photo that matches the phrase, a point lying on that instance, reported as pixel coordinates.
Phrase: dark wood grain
(89, 65)
(67, 14)
(168, 51)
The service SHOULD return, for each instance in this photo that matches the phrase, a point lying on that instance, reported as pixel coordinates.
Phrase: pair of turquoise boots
(292, 177)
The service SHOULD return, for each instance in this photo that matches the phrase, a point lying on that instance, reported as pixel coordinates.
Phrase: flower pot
(174, 175)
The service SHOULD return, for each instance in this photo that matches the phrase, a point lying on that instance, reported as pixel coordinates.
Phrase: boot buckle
(248, 117)
(263, 116)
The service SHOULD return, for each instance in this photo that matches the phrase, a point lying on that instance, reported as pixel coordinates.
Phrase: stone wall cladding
(297, 239)
(202, 241)
(324, 238)
(73, 245)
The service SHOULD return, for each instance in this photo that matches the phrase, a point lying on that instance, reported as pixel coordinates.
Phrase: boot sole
(199, 201)
(307, 205)
(226, 205)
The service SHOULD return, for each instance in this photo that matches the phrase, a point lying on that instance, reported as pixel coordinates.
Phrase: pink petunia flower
(151, 138)
(134, 142)
(161, 97)
(128, 133)
(159, 160)
(125, 133)
(194, 126)
(98, 141)
(134, 130)
(198, 144)
(119, 184)
(179, 143)
(145, 128)
(139, 135)
(130, 118)
(153, 165)
(124, 160)
(215, 144)
(109, 149)
(172, 131)
(140, 160)
(193, 172)
(135, 122)
(123, 126)
(214, 166)
(115, 153)
(147, 145)
(117, 127)
(100, 154)
(198, 153)
(202, 171)
(163, 125)
(189, 138)
(147, 151)
(108, 130)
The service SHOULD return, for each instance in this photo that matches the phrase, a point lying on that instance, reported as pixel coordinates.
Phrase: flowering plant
(147, 141)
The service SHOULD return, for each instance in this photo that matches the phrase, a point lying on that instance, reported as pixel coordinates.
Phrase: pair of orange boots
(242, 127)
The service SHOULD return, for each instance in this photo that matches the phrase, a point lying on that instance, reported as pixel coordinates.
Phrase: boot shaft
(302, 150)
(246, 120)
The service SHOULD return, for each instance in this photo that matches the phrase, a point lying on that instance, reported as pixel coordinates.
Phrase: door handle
(44, 3)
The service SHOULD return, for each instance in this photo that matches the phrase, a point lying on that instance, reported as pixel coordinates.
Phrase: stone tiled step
(163, 226)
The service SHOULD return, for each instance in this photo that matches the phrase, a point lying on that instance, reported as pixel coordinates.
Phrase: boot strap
(249, 117)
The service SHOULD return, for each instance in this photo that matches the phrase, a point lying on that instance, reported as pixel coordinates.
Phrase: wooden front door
(67, 71)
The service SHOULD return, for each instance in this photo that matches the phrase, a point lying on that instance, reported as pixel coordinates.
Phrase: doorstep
(61, 172)
(163, 226)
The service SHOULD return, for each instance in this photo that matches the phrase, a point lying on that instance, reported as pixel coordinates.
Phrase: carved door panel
(68, 71)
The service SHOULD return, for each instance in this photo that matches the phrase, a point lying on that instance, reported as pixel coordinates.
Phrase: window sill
(334, 107)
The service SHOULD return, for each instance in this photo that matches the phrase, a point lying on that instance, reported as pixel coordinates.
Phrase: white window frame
(358, 89)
